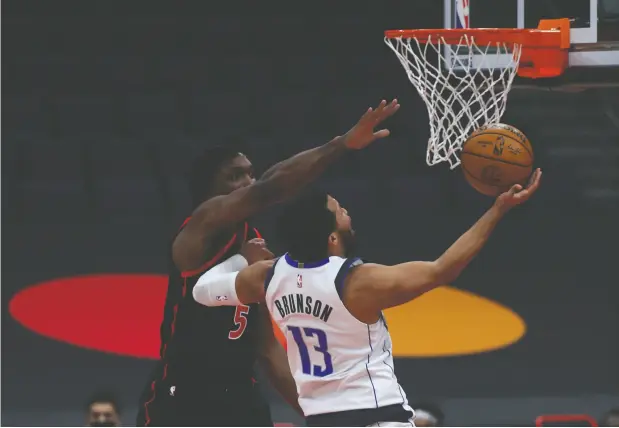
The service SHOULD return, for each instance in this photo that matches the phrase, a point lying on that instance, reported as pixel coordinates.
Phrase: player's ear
(333, 238)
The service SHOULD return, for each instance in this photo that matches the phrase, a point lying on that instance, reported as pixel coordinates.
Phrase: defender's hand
(256, 250)
(517, 195)
(362, 134)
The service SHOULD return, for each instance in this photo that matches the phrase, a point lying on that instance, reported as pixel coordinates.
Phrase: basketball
(495, 157)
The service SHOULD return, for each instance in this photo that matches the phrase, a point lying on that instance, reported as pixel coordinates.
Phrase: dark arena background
(105, 103)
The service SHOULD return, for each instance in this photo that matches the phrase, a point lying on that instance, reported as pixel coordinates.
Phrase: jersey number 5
(321, 346)
(240, 322)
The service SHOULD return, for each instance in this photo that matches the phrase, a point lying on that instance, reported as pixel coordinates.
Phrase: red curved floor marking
(110, 313)
(116, 313)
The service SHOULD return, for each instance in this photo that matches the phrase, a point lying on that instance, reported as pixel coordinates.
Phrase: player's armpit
(370, 288)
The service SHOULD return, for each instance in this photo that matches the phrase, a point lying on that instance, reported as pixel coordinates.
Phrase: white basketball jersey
(338, 362)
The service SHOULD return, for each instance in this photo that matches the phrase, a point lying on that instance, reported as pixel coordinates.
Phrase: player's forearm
(459, 255)
(232, 283)
(286, 178)
(280, 182)
(275, 364)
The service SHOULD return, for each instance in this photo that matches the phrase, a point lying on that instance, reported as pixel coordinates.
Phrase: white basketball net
(465, 90)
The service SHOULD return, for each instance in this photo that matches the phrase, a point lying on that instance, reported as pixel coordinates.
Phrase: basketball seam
(513, 139)
(498, 160)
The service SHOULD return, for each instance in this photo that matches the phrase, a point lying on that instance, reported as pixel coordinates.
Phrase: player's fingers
(382, 133)
(532, 178)
(538, 177)
(381, 106)
(515, 189)
(378, 111)
(366, 115)
(388, 111)
(392, 108)
(534, 183)
(526, 193)
(388, 106)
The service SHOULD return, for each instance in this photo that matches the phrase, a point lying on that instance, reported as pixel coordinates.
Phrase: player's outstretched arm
(280, 182)
(371, 287)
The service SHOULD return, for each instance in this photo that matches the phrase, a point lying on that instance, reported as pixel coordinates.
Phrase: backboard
(594, 35)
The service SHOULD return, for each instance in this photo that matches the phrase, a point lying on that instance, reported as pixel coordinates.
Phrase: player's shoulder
(339, 259)
(344, 264)
(359, 268)
(348, 262)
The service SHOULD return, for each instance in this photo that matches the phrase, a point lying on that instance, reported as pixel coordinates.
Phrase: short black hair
(305, 225)
(605, 420)
(432, 409)
(104, 396)
(204, 168)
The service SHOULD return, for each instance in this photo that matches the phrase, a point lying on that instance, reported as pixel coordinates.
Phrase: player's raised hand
(363, 133)
(517, 195)
(256, 250)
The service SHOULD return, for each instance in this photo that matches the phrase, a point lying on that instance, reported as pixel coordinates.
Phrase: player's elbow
(181, 253)
(199, 293)
(429, 276)
(446, 272)
(216, 289)
(266, 192)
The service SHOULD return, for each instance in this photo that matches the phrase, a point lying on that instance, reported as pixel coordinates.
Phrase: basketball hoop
(467, 88)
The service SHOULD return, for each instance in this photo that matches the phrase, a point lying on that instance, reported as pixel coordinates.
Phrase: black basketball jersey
(210, 344)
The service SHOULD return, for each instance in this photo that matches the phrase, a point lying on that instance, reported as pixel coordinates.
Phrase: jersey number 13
(300, 335)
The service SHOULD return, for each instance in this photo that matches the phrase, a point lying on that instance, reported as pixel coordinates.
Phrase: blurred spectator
(610, 419)
(428, 415)
(103, 410)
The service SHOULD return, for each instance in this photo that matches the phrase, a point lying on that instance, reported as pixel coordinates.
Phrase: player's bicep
(410, 280)
(381, 287)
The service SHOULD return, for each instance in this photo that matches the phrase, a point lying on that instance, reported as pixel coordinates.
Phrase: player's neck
(337, 252)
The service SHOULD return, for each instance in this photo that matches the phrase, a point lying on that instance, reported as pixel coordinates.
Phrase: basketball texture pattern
(495, 157)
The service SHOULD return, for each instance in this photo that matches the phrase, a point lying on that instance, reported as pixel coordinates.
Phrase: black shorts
(165, 403)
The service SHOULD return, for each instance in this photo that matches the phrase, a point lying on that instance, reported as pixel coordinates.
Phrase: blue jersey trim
(344, 269)
(300, 265)
(270, 274)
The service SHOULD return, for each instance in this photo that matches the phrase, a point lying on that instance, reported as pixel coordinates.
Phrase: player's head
(218, 171)
(102, 410)
(314, 227)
